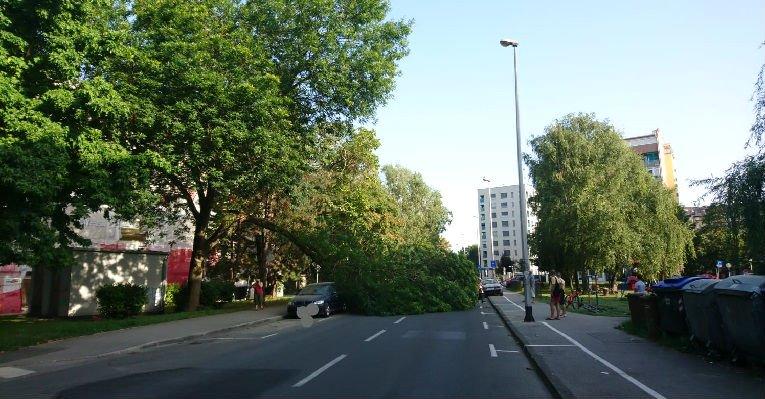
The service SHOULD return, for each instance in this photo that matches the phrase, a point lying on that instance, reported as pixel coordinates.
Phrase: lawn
(20, 331)
(609, 305)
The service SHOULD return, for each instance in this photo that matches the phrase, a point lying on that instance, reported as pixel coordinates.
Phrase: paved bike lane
(586, 357)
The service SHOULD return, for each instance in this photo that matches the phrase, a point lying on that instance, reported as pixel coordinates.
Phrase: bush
(121, 300)
(213, 293)
(172, 297)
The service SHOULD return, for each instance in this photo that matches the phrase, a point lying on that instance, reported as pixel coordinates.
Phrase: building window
(504, 205)
(493, 224)
(495, 243)
(506, 242)
(513, 233)
(505, 233)
(515, 242)
(503, 195)
(511, 194)
(482, 207)
(483, 216)
(480, 200)
(493, 195)
(516, 253)
(513, 223)
(506, 253)
(505, 223)
(504, 213)
(484, 254)
(483, 226)
(496, 253)
(494, 214)
(484, 245)
(483, 235)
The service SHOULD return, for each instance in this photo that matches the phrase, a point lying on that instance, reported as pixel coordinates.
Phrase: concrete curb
(176, 340)
(547, 371)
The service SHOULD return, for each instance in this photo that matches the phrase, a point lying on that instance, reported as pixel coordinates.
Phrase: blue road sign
(719, 264)
(494, 264)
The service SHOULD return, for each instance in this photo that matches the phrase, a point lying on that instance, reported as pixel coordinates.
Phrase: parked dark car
(324, 295)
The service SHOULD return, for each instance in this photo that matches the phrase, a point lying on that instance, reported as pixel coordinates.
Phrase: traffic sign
(494, 264)
(719, 264)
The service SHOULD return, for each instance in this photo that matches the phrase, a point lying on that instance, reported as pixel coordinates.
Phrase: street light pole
(529, 317)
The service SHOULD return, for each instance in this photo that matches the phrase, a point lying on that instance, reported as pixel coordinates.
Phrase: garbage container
(644, 313)
(703, 316)
(742, 308)
(670, 301)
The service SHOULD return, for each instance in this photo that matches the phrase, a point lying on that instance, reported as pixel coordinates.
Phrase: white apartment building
(499, 223)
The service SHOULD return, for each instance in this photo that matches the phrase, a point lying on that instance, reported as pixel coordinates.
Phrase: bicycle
(574, 300)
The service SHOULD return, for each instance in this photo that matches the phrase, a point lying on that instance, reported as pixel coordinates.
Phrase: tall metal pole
(529, 317)
(491, 234)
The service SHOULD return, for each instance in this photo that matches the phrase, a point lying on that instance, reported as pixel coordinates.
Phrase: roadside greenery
(22, 331)
(120, 300)
(598, 208)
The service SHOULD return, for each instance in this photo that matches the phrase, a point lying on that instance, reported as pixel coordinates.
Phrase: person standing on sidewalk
(532, 289)
(259, 294)
(555, 295)
(562, 302)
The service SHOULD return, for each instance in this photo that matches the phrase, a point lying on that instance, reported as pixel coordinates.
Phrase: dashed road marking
(269, 335)
(492, 351)
(485, 326)
(13, 372)
(377, 334)
(319, 371)
(605, 362)
(399, 320)
(505, 351)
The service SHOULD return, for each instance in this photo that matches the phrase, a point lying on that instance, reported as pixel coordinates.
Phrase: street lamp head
(508, 43)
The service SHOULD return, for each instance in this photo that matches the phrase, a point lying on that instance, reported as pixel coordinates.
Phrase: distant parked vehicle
(324, 295)
(491, 287)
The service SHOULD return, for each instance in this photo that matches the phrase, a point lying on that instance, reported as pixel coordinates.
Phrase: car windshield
(321, 289)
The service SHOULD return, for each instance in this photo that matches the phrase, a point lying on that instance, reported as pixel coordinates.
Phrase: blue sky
(686, 67)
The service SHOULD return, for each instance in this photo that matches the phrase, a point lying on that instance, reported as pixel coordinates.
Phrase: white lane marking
(399, 320)
(515, 304)
(13, 372)
(269, 335)
(486, 313)
(492, 351)
(377, 334)
(228, 339)
(545, 345)
(502, 350)
(485, 326)
(319, 371)
(605, 362)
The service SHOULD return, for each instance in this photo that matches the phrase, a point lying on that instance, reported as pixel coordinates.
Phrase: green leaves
(598, 208)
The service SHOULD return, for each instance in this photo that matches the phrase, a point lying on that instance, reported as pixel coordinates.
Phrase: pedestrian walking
(260, 294)
(639, 285)
(480, 292)
(555, 295)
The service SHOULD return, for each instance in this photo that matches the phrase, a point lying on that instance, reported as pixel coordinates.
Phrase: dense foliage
(121, 300)
(598, 208)
(212, 294)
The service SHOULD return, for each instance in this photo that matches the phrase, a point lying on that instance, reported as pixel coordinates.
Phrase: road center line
(269, 335)
(319, 371)
(605, 362)
(485, 326)
(492, 351)
(377, 334)
(399, 320)
(502, 350)
(515, 304)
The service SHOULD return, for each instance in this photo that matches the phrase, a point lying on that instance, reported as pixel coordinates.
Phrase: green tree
(232, 99)
(57, 159)
(470, 252)
(598, 208)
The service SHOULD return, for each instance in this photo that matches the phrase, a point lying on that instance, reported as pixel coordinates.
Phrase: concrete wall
(95, 268)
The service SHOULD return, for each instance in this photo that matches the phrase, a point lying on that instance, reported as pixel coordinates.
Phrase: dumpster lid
(741, 285)
(674, 283)
(701, 285)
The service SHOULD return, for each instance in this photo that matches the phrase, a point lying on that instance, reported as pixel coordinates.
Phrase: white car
(491, 287)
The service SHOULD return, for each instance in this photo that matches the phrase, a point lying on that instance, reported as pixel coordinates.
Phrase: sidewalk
(58, 354)
(586, 357)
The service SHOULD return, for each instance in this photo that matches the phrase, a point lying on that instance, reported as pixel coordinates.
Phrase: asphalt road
(457, 354)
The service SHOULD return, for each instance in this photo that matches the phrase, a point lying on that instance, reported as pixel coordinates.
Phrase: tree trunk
(196, 269)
